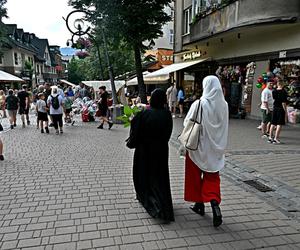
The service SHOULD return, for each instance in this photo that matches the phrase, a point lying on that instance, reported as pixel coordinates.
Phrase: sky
(41, 17)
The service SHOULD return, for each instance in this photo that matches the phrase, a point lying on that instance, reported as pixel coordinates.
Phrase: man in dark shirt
(12, 103)
(103, 107)
(279, 116)
(24, 105)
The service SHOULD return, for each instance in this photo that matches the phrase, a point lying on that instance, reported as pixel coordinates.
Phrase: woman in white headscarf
(202, 180)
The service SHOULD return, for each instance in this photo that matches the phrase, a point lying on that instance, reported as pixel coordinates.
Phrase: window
(172, 14)
(171, 36)
(187, 20)
(16, 58)
(1, 60)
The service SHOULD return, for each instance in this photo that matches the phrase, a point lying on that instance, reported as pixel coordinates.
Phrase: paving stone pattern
(75, 191)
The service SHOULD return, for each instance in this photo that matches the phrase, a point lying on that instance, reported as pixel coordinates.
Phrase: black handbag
(1, 127)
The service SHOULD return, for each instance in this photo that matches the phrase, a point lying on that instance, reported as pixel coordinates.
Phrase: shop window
(16, 58)
(187, 20)
(172, 14)
(171, 36)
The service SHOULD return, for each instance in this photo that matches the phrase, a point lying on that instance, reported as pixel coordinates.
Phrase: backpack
(55, 102)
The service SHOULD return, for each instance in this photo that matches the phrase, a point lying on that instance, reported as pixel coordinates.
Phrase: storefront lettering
(282, 54)
(192, 55)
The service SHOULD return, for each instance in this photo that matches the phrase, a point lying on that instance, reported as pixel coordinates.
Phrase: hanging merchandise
(232, 79)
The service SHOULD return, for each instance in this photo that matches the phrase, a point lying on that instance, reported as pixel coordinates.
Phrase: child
(68, 107)
(41, 108)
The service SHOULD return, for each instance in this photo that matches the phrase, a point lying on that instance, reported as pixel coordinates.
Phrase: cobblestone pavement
(249, 157)
(75, 191)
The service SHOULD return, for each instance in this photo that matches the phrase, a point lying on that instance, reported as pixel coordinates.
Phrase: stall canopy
(6, 77)
(134, 80)
(68, 83)
(107, 84)
(162, 75)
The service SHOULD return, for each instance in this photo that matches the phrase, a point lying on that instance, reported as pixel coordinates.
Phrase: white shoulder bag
(190, 135)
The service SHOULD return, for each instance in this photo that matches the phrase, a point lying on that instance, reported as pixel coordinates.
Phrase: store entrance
(232, 79)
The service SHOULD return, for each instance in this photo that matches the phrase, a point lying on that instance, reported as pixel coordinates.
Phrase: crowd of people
(50, 104)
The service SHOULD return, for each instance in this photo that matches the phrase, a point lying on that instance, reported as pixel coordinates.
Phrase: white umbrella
(6, 77)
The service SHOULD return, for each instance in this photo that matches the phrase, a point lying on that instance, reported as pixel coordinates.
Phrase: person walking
(55, 102)
(180, 99)
(279, 117)
(24, 105)
(70, 93)
(68, 107)
(151, 130)
(12, 103)
(266, 109)
(103, 107)
(41, 108)
(172, 98)
(3, 103)
(202, 166)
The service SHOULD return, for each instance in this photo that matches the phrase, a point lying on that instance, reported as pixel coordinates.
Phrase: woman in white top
(55, 102)
(202, 180)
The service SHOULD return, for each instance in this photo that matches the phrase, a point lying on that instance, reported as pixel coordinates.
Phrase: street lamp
(81, 30)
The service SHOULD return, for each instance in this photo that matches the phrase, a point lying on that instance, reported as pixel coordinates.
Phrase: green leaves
(128, 115)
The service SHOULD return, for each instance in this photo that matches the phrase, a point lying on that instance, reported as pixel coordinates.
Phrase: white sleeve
(264, 96)
(191, 112)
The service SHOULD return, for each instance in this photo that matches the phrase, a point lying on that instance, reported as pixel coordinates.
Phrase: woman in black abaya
(152, 130)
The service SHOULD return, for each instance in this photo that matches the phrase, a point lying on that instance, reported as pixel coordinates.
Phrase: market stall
(6, 79)
(289, 72)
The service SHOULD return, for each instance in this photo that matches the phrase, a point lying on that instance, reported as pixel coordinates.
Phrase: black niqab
(153, 129)
(158, 99)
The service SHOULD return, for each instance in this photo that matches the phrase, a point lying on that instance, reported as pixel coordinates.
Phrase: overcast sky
(42, 17)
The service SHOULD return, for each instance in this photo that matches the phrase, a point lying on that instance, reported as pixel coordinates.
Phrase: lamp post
(79, 32)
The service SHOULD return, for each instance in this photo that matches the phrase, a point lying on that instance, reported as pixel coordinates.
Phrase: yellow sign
(192, 55)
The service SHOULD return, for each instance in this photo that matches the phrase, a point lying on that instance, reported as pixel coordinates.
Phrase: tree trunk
(139, 73)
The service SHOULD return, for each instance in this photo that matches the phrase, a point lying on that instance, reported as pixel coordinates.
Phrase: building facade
(167, 40)
(29, 57)
(239, 40)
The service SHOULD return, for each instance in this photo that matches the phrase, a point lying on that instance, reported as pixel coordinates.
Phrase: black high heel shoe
(217, 216)
(198, 208)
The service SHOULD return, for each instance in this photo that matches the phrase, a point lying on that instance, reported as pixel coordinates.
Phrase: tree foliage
(131, 21)
(3, 13)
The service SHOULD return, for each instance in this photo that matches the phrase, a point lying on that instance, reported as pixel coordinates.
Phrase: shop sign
(167, 58)
(282, 54)
(192, 55)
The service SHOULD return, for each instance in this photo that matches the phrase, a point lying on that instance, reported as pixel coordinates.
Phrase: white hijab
(209, 156)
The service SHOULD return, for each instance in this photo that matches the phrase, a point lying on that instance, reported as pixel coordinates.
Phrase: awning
(6, 77)
(68, 83)
(107, 84)
(134, 80)
(163, 74)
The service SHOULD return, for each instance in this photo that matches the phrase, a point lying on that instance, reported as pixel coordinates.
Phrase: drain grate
(259, 186)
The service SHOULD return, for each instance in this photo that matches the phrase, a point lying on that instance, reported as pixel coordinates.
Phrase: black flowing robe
(152, 129)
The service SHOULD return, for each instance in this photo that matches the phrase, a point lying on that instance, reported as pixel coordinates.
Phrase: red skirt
(200, 186)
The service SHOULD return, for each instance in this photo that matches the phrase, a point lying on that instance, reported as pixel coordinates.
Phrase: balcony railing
(240, 14)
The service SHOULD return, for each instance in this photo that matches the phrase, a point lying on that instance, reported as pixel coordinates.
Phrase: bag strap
(195, 117)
